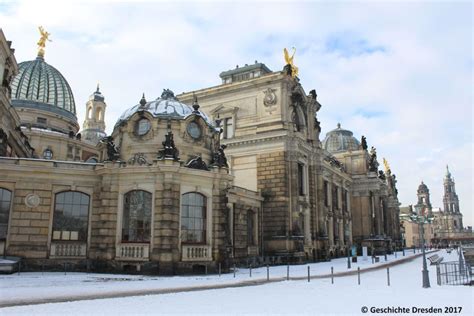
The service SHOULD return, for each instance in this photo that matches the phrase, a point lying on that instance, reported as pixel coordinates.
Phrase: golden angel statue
(289, 61)
(42, 41)
(387, 166)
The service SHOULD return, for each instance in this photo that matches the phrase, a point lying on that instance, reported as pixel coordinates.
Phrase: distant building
(446, 227)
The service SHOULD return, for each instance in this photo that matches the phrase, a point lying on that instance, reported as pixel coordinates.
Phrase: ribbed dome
(167, 106)
(40, 85)
(340, 140)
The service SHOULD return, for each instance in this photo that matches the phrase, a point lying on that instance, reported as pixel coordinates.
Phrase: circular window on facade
(48, 154)
(143, 126)
(194, 130)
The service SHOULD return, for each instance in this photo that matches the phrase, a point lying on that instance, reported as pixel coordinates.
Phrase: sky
(398, 72)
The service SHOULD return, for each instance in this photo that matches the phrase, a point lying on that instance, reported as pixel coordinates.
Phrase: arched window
(193, 218)
(71, 216)
(136, 223)
(89, 110)
(250, 228)
(5, 201)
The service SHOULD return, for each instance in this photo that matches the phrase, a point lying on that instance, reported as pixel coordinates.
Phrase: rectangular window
(301, 180)
(335, 197)
(250, 228)
(344, 200)
(5, 200)
(326, 193)
(228, 128)
(41, 120)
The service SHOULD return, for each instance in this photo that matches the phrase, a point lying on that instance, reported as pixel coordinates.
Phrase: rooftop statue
(42, 41)
(387, 167)
(289, 61)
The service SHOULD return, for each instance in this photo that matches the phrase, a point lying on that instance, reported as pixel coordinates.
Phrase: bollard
(64, 268)
(19, 267)
(219, 269)
(250, 270)
(332, 275)
(309, 274)
(287, 271)
(348, 259)
(205, 269)
(388, 276)
(395, 254)
(385, 256)
(403, 251)
(234, 270)
(358, 275)
(268, 273)
(42, 269)
(372, 258)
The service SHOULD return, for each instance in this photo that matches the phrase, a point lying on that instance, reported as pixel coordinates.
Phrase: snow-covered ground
(288, 297)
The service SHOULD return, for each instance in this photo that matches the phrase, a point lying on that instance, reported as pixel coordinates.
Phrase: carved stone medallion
(32, 200)
(270, 97)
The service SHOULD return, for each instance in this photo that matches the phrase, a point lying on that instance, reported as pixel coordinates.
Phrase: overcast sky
(399, 73)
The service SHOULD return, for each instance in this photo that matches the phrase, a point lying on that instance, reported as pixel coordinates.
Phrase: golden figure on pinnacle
(387, 167)
(289, 61)
(42, 41)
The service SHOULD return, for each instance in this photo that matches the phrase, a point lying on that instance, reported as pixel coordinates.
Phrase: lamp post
(421, 219)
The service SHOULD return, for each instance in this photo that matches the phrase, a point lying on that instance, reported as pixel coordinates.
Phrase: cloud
(398, 73)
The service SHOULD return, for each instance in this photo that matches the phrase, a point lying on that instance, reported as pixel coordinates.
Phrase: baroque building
(234, 173)
(445, 227)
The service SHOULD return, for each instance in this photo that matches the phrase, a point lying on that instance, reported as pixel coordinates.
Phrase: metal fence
(454, 273)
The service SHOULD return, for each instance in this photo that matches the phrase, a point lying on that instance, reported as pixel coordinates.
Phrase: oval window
(143, 126)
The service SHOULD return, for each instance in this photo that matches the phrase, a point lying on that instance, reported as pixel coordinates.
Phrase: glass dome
(340, 140)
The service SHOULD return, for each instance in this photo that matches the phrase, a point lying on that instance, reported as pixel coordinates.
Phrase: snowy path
(57, 287)
(289, 297)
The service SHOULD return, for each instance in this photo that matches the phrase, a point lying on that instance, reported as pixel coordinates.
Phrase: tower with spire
(94, 124)
(451, 203)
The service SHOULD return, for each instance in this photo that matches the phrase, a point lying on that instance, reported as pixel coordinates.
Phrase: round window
(48, 154)
(194, 130)
(143, 126)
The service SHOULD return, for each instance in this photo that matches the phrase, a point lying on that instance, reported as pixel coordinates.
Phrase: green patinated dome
(39, 85)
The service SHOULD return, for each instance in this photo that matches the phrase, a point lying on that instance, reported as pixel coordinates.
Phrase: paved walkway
(117, 294)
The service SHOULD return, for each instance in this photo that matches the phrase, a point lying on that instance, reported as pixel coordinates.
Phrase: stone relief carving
(32, 200)
(197, 163)
(140, 159)
(270, 97)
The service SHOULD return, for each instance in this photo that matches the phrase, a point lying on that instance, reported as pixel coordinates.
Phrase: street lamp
(421, 219)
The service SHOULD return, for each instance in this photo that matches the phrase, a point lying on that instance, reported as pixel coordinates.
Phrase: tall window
(228, 128)
(301, 179)
(193, 218)
(344, 200)
(136, 222)
(250, 228)
(326, 193)
(71, 214)
(5, 200)
(296, 121)
(335, 197)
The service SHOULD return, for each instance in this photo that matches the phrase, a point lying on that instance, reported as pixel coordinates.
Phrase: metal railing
(454, 273)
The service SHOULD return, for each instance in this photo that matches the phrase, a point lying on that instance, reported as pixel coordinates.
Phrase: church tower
(423, 194)
(451, 204)
(94, 124)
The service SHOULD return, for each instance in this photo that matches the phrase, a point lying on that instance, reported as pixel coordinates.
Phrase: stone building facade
(232, 173)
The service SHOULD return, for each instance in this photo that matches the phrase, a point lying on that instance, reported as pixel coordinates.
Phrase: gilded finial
(289, 61)
(42, 41)
(387, 167)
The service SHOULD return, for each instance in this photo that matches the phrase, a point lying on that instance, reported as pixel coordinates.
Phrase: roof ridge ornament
(195, 104)
(42, 41)
(143, 101)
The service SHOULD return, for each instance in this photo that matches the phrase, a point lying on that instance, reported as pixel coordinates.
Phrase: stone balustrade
(133, 252)
(68, 249)
(196, 253)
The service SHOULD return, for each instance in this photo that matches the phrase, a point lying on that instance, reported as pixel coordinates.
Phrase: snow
(285, 297)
